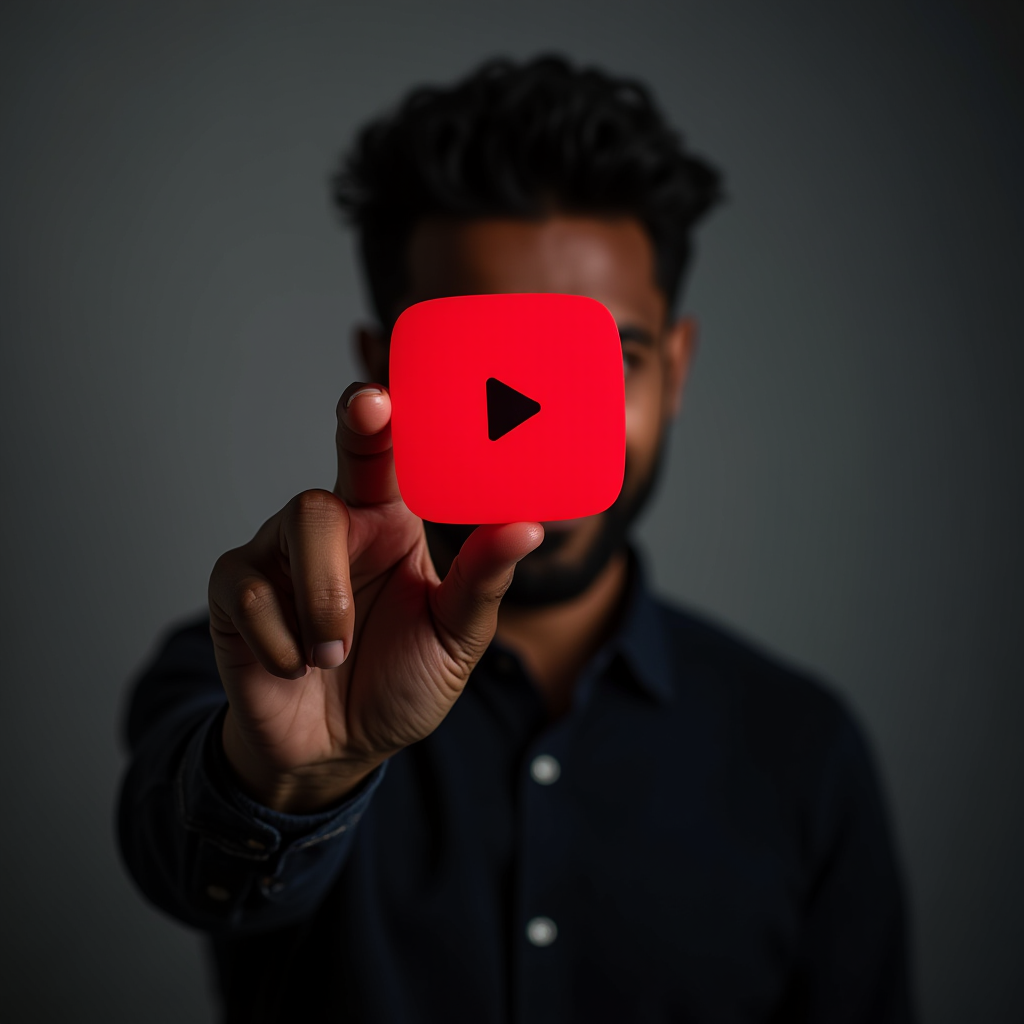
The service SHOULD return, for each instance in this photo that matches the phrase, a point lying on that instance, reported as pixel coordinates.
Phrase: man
(396, 781)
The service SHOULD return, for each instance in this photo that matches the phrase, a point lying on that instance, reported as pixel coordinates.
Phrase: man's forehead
(610, 259)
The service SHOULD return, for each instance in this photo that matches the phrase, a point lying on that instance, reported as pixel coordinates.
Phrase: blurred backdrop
(844, 485)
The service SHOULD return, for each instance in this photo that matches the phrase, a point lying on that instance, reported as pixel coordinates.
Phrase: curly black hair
(521, 140)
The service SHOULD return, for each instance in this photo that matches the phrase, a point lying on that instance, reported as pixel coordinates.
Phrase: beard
(550, 574)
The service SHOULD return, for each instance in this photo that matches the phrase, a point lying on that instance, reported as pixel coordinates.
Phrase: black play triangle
(506, 408)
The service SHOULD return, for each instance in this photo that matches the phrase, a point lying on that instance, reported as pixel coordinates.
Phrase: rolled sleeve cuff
(210, 803)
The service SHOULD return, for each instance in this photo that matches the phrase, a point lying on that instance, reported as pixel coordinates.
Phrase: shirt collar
(640, 644)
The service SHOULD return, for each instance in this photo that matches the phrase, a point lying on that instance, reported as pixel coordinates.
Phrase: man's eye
(629, 362)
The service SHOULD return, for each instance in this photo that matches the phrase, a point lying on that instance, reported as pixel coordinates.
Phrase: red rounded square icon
(507, 408)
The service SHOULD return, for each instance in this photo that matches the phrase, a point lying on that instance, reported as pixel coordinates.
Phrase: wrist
(307, 790)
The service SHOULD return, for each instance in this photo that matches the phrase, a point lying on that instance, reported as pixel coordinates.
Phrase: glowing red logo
(507, 408)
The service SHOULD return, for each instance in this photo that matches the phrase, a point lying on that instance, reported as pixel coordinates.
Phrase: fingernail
(362, 391)
(329, 655)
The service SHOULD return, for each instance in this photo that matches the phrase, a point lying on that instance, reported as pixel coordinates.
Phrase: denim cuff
(210, 802)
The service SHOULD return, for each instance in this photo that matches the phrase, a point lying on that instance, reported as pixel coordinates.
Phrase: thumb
(465, 605)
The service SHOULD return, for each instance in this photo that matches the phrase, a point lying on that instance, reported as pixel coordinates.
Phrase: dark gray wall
(844, 485)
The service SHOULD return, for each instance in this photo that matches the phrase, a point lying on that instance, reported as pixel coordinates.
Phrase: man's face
(611, 260)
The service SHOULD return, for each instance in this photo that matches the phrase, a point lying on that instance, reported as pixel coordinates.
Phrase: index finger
(366, 464)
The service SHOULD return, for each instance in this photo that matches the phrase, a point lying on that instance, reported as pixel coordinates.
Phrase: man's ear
(372, 351)
(680, 348)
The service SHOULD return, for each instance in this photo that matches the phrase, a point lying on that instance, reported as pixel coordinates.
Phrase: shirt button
(218, 893)
(545, 769)
(255, 844)
(541, 931)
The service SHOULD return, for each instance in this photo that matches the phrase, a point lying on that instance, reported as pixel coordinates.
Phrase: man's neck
(555, 642)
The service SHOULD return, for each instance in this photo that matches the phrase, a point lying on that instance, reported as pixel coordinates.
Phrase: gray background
(844, 484)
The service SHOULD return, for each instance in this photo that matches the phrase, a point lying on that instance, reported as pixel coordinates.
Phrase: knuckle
(317, 507)
(327, 599)
(500, 590)
(482, 594)
(254, 598)
(221, 586)
(224, 566)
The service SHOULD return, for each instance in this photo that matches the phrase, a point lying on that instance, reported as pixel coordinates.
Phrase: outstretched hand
(336, 642)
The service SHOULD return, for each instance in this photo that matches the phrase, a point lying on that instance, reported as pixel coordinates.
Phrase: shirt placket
(544, 938)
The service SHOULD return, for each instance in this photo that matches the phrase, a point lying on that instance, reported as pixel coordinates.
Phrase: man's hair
(521, 140)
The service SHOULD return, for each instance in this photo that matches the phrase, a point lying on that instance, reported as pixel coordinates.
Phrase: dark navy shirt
(701, 838)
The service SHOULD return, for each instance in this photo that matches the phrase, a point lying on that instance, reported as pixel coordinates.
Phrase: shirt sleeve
(853, 964)
(197, 846)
